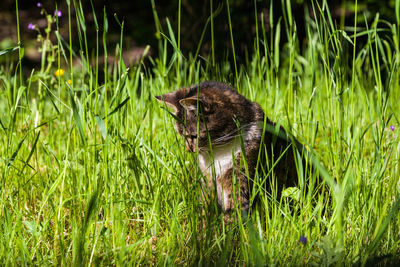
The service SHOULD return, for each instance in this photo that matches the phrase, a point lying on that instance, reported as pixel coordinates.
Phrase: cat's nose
(158, 97)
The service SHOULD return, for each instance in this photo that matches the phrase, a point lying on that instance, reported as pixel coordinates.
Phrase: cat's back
(228, 102)
(219, 92)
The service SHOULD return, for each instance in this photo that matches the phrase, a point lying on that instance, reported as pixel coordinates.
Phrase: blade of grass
(77, 117)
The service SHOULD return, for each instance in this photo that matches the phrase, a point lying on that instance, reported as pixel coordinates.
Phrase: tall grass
(92, 172)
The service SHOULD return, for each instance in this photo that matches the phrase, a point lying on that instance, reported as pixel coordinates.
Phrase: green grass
(92, 171)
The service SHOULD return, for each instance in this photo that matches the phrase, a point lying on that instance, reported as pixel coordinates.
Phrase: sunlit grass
(92, 171)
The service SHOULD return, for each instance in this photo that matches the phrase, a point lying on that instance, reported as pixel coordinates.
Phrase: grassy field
(93, 173)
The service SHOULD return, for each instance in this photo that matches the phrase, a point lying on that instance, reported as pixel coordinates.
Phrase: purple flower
(303, 240)
(57, 13)
(39, 4)
(392, 128)
(31, 26)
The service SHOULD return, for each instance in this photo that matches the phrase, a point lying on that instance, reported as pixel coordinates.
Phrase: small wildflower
(57, 13)
(39, 4)
(31, 26)
(392, 128)
(303, 240)
(69, 82)
(59, 72)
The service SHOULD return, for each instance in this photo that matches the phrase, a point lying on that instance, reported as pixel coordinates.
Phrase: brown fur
(219, 109)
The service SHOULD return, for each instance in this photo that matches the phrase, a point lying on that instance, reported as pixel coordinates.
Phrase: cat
(223, 126)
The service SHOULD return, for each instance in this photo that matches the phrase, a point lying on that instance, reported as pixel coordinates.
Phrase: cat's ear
(169, 100)
(190, 103)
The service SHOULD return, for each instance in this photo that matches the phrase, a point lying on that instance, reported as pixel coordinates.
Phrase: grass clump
(93, 173)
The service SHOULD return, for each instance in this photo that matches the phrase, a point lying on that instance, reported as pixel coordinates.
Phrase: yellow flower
(69, 82)
(59, 72)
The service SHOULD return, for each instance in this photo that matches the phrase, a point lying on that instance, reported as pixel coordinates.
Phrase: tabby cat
(223, 126)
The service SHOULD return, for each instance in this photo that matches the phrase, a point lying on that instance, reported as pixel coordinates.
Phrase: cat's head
(210, 110)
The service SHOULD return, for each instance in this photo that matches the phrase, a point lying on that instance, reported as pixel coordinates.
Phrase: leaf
(344, 34)
(120, 105)
(31, 227)
(81, 17)
(172, 36)
(77, 118)
(381, 228)
(60, 41)
(276, 45)
(96, 24)
(102, 127)
(2, 126)
(292, 192)
(32, 150)
(80, 242)
(116, 18)
(105, 21)
(91, 207)
(21, 90)
(51, 96)
(398, 11)
(9, 50)
(173, 115)
(14, 155)
(289, 12)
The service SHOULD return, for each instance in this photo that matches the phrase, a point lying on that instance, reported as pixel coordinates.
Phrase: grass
(92, 172)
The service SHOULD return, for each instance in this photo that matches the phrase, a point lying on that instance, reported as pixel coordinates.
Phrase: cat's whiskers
(225, 140)
(242, 131)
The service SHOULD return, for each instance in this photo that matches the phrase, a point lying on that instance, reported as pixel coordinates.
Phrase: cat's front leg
(232, 188)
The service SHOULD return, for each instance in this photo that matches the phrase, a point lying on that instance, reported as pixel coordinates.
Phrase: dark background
(140, 29)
